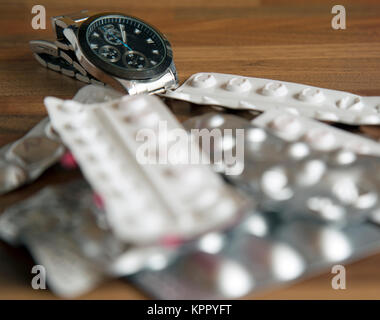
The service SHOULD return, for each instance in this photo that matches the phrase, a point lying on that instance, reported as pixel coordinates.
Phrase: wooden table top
(286, 40)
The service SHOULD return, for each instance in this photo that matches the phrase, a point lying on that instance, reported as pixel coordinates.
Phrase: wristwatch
(109, 48)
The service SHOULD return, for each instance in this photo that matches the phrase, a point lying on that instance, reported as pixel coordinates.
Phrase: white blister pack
(317, 135)
(238, 92)
(145, 203)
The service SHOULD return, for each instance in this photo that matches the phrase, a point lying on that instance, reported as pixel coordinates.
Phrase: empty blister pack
(145, 202)
(27, 158)
(45, 224)
(336, 186)
(67, 234)
(317, 135)
(259, 253)
(238, 92)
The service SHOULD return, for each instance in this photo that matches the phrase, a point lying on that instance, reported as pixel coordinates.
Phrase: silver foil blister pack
(318, 135)
(297, 177)
(262, 252)
(315, 189)
(248, 93)
(68, 234)
(316, 208)
(26, 159)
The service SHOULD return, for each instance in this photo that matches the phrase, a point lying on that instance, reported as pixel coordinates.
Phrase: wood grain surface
(285, 40)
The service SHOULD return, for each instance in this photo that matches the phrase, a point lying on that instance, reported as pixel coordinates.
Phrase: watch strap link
(59, 23)
(60, 57)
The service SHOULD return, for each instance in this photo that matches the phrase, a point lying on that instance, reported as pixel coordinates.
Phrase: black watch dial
(124, 46)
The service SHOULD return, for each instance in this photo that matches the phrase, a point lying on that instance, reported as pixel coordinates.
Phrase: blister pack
(335, 186)
(68, 235)
(261, 252)
(96, 94)
(147, 200)
(26, 159)
(238, 92)
(315, 134)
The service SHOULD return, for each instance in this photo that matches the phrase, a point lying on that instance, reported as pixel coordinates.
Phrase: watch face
(124, 46)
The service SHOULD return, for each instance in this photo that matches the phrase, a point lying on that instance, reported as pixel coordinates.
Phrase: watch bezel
(127, 74)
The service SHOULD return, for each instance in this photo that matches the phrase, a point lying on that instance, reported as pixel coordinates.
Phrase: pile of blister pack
(217, 207)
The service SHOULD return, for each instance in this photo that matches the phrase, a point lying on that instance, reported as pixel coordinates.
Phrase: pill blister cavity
(206, 199)
(286, 124)
(50, 132)
(238, 85)
(255, 135)
(326, 115)
(368, 119)
(344, 157)
(351, 193)
(326, 209)
(256, 225)
(350, 103)
(157, 261)
(334, 245)
(274, 182)
(234, 280)
(12, 175)
(287, 263)
(211, 243)
(203, 80)
(223, 209)
(227, 142)
(346, 190)
(274, 89)
(320, 139)
(375, 216)
(216, 121)
(298, 150)
(311, 95)
(70, 106)
(311, 172)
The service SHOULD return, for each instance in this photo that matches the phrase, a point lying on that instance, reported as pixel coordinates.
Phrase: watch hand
(125, 45)
(123, 33)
